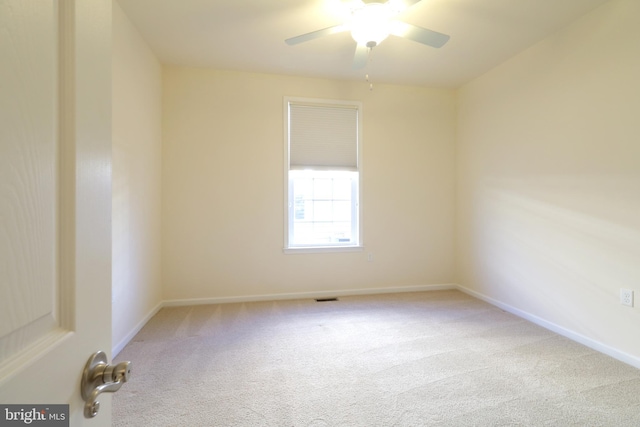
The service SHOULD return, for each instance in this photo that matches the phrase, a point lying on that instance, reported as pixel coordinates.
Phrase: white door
(55, 199)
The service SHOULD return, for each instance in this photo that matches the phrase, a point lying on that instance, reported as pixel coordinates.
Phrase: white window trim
(320, 249)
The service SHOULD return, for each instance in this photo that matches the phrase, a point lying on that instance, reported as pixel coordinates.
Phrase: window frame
(288, 203)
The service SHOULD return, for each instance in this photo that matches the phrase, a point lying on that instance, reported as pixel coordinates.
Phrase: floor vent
(326, 299)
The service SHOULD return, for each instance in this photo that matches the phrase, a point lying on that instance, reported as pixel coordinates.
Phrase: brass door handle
(100, 377)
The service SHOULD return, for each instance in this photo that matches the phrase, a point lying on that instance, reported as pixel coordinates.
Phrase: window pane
(323, 232)
(342, 189)
(342, 232)
(303, 232)
(342, 211)
(322, 188)
(303, 188)
(323, 211)
(299, 208)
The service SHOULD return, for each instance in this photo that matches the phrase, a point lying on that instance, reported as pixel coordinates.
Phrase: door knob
(100, 377)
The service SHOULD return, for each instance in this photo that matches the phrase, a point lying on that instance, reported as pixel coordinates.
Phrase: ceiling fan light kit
(372, 23)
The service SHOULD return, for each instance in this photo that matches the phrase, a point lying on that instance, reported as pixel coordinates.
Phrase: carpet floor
(439, 358)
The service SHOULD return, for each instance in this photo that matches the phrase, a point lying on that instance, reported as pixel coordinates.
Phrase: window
(322, 174)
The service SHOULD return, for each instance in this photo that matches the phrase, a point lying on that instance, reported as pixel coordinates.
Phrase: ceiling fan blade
(315, 34)
(361, 57)
(418, 34)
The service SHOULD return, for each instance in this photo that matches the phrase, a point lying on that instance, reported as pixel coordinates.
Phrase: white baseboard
(572, 335)
(305, 295)
(124, 341)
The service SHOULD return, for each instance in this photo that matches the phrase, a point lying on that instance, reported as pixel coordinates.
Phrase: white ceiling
(248, 35)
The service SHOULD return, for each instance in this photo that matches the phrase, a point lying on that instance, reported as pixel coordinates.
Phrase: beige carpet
(437, 358)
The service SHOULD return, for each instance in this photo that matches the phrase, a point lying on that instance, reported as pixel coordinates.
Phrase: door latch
(100, 377)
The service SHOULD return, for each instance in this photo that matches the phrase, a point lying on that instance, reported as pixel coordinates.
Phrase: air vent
(326, 299)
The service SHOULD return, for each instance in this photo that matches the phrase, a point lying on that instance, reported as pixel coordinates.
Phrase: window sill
(322, 249)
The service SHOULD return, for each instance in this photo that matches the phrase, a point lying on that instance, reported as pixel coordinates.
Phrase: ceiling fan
(370, 23)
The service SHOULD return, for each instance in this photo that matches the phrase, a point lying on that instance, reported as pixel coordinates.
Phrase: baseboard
(124, 341)
(572, 335)
(305, 295)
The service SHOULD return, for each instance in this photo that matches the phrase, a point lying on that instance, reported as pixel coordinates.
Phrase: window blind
(323, 137)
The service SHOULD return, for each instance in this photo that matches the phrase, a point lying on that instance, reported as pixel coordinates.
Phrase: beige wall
(549, 180)
(545, 174)
(137, 88)
(223, 187)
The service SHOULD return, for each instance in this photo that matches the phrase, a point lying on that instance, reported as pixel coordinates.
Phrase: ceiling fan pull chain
(366, 76)
(369, 50)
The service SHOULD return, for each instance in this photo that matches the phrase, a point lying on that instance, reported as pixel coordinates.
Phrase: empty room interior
(498, 177)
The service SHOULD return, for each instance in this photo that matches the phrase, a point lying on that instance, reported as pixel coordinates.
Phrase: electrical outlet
(626, 297)
(370, 257)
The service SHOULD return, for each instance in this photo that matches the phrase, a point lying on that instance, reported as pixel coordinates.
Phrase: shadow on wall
(556, 242)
